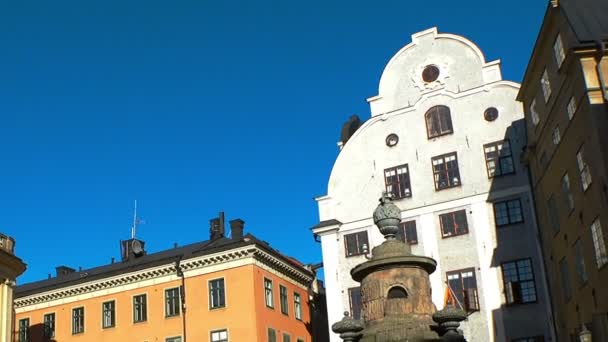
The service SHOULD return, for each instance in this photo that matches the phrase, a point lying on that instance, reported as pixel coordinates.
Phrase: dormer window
(438, 121)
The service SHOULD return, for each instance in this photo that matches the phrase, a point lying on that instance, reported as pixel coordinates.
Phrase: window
(438, 121)
(445, 171)
(543, 160)
(140, 308)
(297, 305)
(272, 335)
(77, 321)
(599, 246)
(565, 277)
(530, 339)
(508, 212)
(583, 169)
(283, 298)
(558, 50)
(518, 278)
(490, 114)
(300, 340)
(581, 270)
(556, 136)
(219, 336)
(553, 216)
(217, 295)
(534, 113)
(463, 285)
(108, 314)
(354, 243)
(24, 330)
(172, 304)
(268, 293)
(397, 181)
(173, 339)
(49, 325)
(286, 337)
(354, 297)
(545, 85)
(499, 160)
(430, 73)
(407, 232)
(567, 193)
(454, 223)
(571, 109)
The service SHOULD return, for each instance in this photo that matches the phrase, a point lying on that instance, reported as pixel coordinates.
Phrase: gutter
(182, 294)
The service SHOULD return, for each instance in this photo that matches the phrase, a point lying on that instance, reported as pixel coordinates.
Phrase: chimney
(132, 249)
(216, 227)
(63, 271)
(236, 228)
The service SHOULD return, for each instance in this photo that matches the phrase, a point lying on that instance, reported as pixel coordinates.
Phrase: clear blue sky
(193, 107)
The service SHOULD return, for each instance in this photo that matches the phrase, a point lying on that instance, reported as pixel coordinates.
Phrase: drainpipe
(182, 295)
(600, 56)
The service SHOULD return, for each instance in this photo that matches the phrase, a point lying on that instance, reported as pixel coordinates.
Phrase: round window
(490, 114)
(430, 73)
(392, 140)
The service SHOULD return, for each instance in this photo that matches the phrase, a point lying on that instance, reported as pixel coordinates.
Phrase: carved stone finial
(348, 328)
(387, 216)
(449, 319)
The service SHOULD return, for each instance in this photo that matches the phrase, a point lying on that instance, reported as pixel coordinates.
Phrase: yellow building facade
(10, 268)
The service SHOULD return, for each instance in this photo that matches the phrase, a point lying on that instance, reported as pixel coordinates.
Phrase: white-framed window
(534, 113)
(599, 245)
(545, 85)
(268, 293)
(571, 108)
(140, 308)
(556, 136)
(173, 339)
(219, 336)
(558, 50)
(567, 193)
(24, 330)
(217, 293)
(77, 321)
(108, 314)
(583, 169)
(297, 306)
(172, 302)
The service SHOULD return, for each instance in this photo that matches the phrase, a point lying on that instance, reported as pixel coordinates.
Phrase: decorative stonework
(419, 82)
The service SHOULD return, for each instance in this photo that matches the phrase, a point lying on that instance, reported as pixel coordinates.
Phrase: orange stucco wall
(245, 315)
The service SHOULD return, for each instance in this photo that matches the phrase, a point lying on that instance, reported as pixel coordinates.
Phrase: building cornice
(167, 272)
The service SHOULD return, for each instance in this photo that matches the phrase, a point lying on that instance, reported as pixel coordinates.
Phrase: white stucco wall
(468, 85)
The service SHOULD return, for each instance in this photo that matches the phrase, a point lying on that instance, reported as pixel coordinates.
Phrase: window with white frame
(108, 314)
(583, 169)
(571, 108)
(568, 199)
(499, 160)
(219, 336)
(581, 269)
(534, 113)
(140, 308)
(217, 293)
(77, 321)
(463, 285)
(599, 244)
(24, 330)
(354, 297)
(283, 300)
(556, 136)
(49, 325)
(173, 339)
(445, 171)
(508, 212)
(268, 293)
(297, 306)
(286, 337)
(172, 303)
(397, 181)
(518, 278)
(272, 335)
(558, 50)
(545, 85)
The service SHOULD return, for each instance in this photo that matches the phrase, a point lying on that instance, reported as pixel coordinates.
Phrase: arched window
(396, 292)
(438, 121)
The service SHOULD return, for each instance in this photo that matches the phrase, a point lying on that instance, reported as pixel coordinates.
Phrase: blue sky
(196, 107)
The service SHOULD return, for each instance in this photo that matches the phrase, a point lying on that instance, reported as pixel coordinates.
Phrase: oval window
(490, 114)
(430, 73)
(392, 140)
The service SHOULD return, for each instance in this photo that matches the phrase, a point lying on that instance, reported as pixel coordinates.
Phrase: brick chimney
(236, 228)
(216, 227)
(63, 271)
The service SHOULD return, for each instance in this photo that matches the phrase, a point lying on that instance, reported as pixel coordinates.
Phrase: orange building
(223, 289)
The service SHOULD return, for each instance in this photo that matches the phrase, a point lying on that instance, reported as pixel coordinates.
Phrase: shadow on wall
(36, 334)
(516, 255)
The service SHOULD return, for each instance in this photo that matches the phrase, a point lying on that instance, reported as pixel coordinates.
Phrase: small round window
(392, 140)
(430, 73)
(490, 114)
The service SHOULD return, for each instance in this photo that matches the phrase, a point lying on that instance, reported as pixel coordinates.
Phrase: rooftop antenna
(136, 221)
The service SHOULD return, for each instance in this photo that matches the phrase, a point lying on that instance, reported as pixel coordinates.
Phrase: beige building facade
(10, 268)
(565, 100)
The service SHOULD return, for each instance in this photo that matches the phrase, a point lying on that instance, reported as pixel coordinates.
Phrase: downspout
(600, 75)
(182, 294)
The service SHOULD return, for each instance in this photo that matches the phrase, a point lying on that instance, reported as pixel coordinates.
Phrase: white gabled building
(441, 116)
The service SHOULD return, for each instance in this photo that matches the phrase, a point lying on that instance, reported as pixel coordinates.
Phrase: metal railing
(7, 243)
